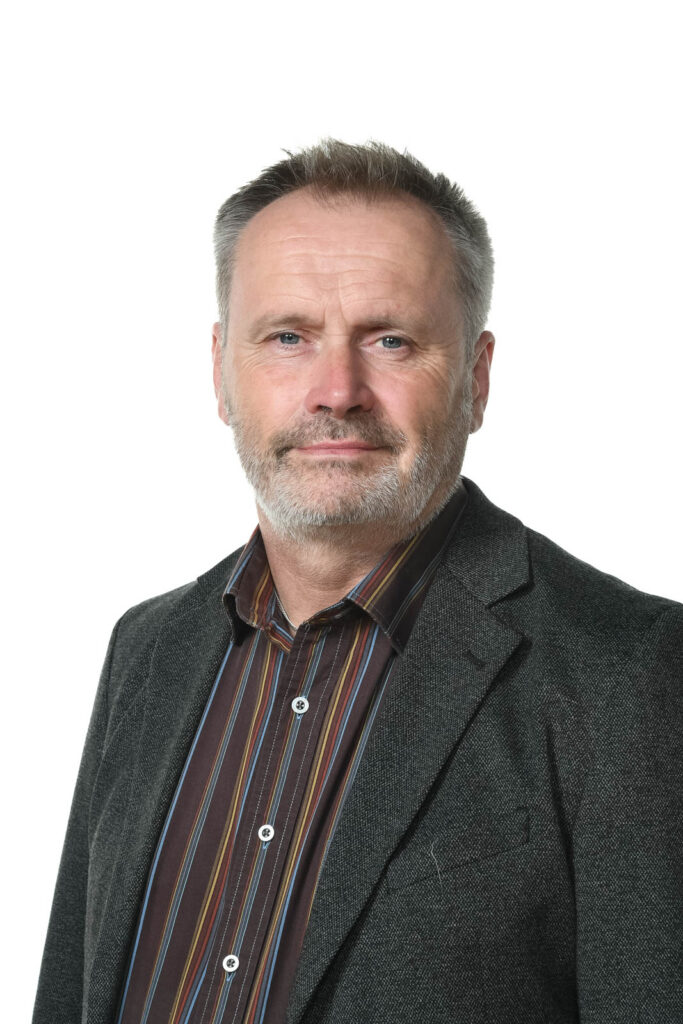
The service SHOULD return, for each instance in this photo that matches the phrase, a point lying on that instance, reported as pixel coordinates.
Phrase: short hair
(372, 171)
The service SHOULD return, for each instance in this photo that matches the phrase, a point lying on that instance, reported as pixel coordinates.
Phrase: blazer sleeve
(627, 845)
(59, 998)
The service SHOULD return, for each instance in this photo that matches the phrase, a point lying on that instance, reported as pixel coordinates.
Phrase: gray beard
(383, 497)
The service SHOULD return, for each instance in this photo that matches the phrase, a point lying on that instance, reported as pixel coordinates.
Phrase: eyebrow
(271, 321)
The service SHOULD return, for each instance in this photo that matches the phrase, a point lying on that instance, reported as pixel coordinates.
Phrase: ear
(218, 380)
(481, 370)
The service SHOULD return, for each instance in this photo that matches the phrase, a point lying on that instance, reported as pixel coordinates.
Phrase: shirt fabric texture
(232, 882)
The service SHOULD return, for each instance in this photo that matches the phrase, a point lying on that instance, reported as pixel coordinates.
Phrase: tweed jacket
(511, 848)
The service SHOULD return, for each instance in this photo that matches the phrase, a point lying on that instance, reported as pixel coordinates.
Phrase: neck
(314, 572)
(317, 569)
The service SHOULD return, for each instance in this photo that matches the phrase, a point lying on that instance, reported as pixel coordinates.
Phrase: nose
(338, 382)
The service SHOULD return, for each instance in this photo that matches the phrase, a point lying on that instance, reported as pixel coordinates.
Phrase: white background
(125, 127)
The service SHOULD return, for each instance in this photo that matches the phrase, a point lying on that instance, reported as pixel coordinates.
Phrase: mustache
(325, 428)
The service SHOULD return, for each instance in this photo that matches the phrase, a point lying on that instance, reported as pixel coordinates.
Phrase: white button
(230, 963)
(266, 833)
(300, 705)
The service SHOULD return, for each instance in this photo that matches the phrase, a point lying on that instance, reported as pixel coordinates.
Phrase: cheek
(265, 406)
(415, 407)
(256, 387)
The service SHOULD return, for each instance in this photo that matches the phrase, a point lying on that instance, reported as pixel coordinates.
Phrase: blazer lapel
(186, 660)
(457, 649)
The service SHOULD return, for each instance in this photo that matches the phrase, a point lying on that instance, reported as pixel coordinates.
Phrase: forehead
(346, 246)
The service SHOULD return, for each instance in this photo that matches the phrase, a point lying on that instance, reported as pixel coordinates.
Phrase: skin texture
(344, 377)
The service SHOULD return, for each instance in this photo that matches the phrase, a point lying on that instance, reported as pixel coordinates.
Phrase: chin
(302, 515)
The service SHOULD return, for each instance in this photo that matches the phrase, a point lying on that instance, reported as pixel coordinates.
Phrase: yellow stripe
(381, 587)
(259, 591)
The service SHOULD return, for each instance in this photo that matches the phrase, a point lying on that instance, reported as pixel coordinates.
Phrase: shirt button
(300, 705)
(266, 833)
(230, 963)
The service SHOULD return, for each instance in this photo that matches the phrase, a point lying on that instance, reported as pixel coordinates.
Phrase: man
(400, 759)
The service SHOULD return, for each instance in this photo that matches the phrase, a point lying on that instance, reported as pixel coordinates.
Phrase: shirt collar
(392, 592)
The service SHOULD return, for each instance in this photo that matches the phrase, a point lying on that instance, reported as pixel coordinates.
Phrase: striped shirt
(234, 875)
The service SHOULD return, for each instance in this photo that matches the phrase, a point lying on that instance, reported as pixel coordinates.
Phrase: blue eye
(390, 341)
(289, 337)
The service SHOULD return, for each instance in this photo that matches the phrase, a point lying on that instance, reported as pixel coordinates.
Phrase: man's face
(344, 373)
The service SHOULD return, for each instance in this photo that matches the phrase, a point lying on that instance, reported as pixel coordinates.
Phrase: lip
(344, 447)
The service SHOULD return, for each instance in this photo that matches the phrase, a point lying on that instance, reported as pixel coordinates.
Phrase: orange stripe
(384, 583)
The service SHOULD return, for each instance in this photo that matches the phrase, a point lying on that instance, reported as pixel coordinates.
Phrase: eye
(391, 342)
(288, 337)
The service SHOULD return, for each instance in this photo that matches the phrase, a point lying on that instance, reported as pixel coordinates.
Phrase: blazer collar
(489, 553)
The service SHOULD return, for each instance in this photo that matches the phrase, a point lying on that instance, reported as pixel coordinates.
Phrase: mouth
(345, 448)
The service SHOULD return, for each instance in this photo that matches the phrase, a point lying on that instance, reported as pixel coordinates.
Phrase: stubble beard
(301, 500)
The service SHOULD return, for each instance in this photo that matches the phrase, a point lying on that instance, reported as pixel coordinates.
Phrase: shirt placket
(273, 800)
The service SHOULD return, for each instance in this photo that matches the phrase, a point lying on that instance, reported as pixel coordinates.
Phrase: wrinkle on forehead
(383, 266)
(354, 297)
(347, 256)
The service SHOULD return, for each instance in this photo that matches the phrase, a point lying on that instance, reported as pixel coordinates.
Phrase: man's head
(374, 172)
(350, 358)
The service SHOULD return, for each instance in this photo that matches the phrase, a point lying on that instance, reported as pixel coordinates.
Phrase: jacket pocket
(459, 845)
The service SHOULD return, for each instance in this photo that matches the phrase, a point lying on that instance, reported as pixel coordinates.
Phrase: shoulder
(548, 581)
(587, 633)
(136, 632)
(566, 587)
(622, 644)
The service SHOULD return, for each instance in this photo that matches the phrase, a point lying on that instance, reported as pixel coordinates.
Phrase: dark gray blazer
(511, 848)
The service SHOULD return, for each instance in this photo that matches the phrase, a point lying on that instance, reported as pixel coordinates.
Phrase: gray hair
(373, 172)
